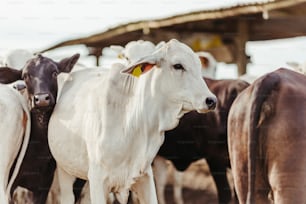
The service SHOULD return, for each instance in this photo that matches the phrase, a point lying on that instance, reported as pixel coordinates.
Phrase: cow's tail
(260, 94)
(24, 145)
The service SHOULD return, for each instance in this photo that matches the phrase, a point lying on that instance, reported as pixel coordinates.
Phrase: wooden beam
(241, 39)
(222, 13)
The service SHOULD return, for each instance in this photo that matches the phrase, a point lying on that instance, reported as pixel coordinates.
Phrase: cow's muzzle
(211, 102)
(42, 100)
(208, 104)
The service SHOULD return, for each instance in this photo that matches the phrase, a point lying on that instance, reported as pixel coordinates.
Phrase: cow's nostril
(36, 98)
(211, 102)
(42, 100)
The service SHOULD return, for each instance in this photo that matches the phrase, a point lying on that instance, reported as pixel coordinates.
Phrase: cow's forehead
(179, 49)
(181, 53)
(40, 63)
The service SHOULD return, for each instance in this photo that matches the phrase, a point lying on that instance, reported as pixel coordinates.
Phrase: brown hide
(267, 141)
(205, 136)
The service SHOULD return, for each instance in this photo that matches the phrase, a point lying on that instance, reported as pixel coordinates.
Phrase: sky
(38, 24)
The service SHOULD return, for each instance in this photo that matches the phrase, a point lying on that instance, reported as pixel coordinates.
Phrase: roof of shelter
(265, 20)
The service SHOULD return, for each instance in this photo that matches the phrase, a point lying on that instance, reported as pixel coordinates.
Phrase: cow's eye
(54, 74)
(178, 66)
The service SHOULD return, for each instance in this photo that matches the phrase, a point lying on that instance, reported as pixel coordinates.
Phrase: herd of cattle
(78, 135)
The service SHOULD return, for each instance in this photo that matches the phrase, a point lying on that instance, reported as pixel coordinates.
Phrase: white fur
(162, 168)
(17, 58)
(134, 50)
(210, 69)
(15, 131)
(107, 126)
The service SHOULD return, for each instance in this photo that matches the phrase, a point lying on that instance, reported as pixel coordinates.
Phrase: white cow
(161, 165)
(107, 128)
(134, 50)
(209, 64)
(17, 58)
(15, 131)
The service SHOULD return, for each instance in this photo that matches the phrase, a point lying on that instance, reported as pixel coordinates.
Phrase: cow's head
(209, 64)
(40, 77)
(174, 72)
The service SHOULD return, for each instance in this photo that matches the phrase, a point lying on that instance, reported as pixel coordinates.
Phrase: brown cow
(204, 136)
(37, 168)
(267, 141)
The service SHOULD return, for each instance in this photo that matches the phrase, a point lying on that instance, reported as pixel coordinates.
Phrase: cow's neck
(39, 122)
(150, 116)
(147, 103)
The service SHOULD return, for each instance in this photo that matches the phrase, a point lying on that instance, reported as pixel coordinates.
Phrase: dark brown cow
(205, 136)
(267, 140)
(40, 76)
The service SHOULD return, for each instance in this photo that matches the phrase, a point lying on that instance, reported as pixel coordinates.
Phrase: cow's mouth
(203, 110)
(183, 110)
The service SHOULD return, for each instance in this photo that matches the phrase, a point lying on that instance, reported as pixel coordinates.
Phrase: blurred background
(244, 36)
(258, 35)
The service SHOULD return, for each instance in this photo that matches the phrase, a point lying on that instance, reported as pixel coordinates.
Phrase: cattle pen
(194, 169)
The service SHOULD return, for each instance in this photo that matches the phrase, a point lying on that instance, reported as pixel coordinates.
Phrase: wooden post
(97, 52)
(241, 39)
(97, 60)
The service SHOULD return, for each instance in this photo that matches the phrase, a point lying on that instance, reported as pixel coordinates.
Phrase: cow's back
(285, 145)
(266, 131)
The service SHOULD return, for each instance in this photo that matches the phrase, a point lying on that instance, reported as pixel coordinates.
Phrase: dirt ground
(199, 187)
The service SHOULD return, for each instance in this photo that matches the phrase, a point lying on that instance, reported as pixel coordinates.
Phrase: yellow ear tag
(137, 71)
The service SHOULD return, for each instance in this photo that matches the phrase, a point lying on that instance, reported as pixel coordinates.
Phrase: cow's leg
(22, 196)
(145, 188)
(218, 172)
(178, 186)
(65, 182)
(3, 180)
(84, 197)
(262, 197)
(96, 177)
(288, 187)
(287, 195)
(54, 192)
(160, 175)
(46, 178)
(262, 187)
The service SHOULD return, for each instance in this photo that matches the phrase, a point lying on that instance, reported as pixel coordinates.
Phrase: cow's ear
(204, 62)
(9, 75)
(66, 65)
(207, 60)
(139, 69)
(144, 65)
